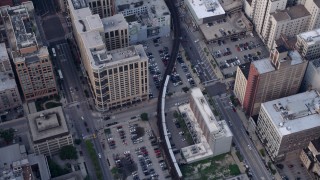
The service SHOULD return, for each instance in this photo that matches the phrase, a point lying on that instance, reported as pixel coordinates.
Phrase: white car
(82, 117)
(99, 155)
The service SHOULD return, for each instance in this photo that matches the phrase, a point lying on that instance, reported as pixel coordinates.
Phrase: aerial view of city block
(159, 89)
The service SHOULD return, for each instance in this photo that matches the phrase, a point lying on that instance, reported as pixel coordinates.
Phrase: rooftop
(291, 13)
(9, 154)
(263, 65)
(7, 81)
(205, 110)
(311, 37)
(47, 124)
(206, 8)
(3, 52)
(316, 144)
(31, 57)
(245, 68)
(153, 8)
(114, 22)
(132, 53)
(294, 113)
(78, 4)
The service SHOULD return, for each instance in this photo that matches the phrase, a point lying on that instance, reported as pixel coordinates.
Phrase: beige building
(308, 44)
(240, 84)
(49, 131)
(31, 60)
(289, 22)
(289, 123)
(116, 33)
(118, 77)
(313, 6)
(270, 78)
(104, 8)
(310, 157)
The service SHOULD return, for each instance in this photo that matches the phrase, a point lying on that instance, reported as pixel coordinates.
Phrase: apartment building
(147, 19)
(116, 33)
(261, 13)
(308, 44)
(104, 8)
(290, 22)
(31, 59)
(240, 84)
(310, 157)
(49, 131)
(271, 78)
(289, 123)
(118, 77)
(311, 79)
(313, 6)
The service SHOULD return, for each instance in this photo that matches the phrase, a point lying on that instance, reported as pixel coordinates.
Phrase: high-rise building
(311, 78)
(310, 157)
(289, 123)
(32, 62)
(270, 78)
(308, 44)
(9, 94)
(116, 33)
(290, 22)
(49, 131)
(118, 77)
(240, 84)
(313, 6)
(104, 8)
(147, 19)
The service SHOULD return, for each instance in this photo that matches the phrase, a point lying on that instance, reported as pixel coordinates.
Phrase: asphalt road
(242, 141)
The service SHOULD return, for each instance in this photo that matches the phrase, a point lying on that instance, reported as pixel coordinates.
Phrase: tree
(77, 141)
(7, 135)
(185, 89)
(144, 116)
(68, 152)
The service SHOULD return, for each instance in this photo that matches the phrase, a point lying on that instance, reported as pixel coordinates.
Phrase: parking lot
(230, 53)
(158, 52)
(133, 149)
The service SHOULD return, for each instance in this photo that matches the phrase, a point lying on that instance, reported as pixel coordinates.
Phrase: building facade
(104, 8)
(289, 123)
(311, 78)
(310, 157)
(272, 78)
(308, 44)
(49, 131)
(313, 6)
(241, 81)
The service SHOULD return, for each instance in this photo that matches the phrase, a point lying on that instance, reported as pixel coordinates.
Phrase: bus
(60, 74)
(54, 52)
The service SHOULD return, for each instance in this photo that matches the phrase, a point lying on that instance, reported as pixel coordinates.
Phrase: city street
(242, 141)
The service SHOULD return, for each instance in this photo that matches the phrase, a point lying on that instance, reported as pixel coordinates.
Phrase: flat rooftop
(114, 22)
(245, 68)
(9, 154)
(295, 113)
(291, 13)
(311, 37)
(31, 57)
(157, 8)
(47, 124)
(117, 56)
(206, 8)
(263, 65)
(7, 81)
(3, 52)
(205, 110)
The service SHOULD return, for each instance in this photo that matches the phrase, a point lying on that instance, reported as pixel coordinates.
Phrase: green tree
(68, 152)
(55, 169)
(77, 141)
(144, 116)
(7, 135)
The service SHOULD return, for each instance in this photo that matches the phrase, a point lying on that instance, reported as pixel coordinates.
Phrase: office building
(313, 6)
(310, 157)
(104, 8)
(31, 59)
(205, 11)
(308, 44)
(118, 77)
(270, 78)
(9, 94)
(212, 137)
(261, 13)
(290, 22)
(147, 19)
(289, 123)
(49, 131)
(116, 33)
(311, 79)
(15, 163)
